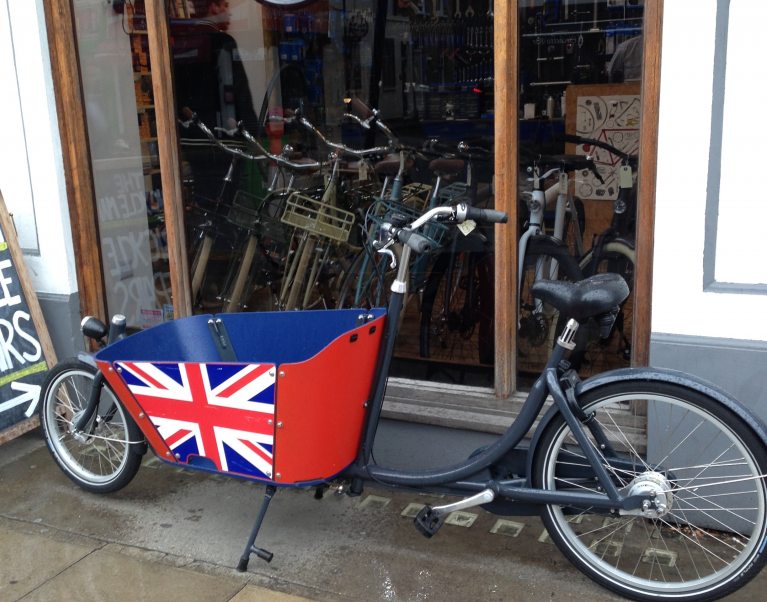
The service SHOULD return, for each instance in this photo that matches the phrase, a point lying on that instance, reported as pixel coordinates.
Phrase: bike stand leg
(251, 548)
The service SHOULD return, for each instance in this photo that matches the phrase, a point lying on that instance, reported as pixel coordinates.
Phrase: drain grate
(657, 556)
(411, 510)
(461, 519)
(507, 527)
(374, 502)
(606, 549)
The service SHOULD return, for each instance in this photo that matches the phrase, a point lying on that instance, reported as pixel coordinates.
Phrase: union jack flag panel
(221, 412)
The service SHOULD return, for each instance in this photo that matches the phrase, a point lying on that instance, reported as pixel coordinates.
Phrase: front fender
(87, 358)
(665, 375)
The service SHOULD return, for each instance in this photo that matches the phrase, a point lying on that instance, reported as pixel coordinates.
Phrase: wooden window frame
(506, 160)
(79, 180)
(73, 130)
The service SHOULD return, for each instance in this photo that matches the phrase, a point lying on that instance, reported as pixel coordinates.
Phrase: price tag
(363, 171)
(467, 227)
(626, 177)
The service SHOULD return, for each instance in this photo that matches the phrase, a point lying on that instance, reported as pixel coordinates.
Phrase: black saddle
(593, 296)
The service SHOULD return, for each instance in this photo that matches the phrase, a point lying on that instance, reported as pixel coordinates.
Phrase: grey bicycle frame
(458, 478)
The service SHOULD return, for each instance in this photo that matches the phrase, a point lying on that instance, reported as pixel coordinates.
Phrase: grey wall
(738, 367)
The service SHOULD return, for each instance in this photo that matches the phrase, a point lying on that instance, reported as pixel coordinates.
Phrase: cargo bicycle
(649, 481)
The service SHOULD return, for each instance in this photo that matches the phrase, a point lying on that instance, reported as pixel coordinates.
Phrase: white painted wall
(679, 303)
(31, 167)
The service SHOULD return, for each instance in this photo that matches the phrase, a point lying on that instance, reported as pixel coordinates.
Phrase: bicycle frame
(462, 478)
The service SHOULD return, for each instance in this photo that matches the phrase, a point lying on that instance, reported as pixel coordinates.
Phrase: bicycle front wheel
(594, 354)
(102, 459)
(707, 536)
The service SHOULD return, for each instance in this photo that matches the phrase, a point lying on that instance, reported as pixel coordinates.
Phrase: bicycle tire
(592, 353)
(366, 284)
(456, 323)
(574, 228)
(105, 460)
(539, 323)
(709, 539)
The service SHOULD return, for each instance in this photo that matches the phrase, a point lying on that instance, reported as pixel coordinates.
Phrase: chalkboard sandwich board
(26, 351)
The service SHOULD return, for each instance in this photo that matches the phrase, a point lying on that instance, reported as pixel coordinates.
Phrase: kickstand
(251, 548)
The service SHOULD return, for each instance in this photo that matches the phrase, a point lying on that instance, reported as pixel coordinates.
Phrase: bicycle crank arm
(430, 519)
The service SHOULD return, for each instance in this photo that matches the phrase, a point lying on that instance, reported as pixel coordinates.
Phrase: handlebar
(626, 158)
(356, 152)
(364, 117)
(569, 163)
(461, 150)
(456, 214)
(360, 109)
(192, 118)
(488, 216)
(414, 240)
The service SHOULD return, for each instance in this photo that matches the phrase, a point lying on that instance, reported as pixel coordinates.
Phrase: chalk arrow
(30, 393)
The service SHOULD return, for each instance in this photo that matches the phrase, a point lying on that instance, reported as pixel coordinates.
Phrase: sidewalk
(39, 564)
(178, 534)
(42, 562)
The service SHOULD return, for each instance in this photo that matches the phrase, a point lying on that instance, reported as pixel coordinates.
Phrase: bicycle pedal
(428, 522)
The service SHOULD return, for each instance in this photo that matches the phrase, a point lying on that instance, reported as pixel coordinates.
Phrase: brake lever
(385, 249)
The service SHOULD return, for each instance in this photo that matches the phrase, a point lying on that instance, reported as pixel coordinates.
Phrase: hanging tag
(467, 227)
(362, 171)
(626, 177)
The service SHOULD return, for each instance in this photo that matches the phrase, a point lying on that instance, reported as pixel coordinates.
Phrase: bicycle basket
(244, 211)
(317, 217)
(452, 193)
(416, 195)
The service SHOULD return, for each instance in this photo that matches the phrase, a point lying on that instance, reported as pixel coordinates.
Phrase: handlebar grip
(360, 109)
(188, 114)
(488, 216)
(417, 242)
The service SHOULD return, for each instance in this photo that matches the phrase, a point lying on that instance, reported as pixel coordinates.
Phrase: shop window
(290, 232)
(264, 236)
(579, 108)
(116, 73)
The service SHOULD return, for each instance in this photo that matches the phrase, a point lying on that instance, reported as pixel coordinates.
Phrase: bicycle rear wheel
(594, 354)
(367, 282)
(705, 465)
(102, 459)
(538, 321)
(457, 309)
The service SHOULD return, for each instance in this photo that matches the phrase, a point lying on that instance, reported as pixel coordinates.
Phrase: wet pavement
(179, 534)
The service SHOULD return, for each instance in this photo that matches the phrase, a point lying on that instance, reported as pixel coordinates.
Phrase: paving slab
(108, 574)
(28, 560)
(252, 593)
